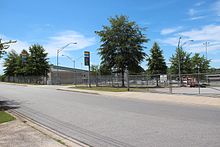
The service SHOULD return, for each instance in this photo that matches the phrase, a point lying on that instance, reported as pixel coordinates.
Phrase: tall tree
(122, 45)
(185, 62)
(22, 67)
(200, 62)
(156, 61)
(10, 64)
(95, 69)
(105, 70)
(38, 61)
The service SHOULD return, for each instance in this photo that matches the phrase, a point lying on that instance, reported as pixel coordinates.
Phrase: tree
(122, 45)
(156, 61)
(185, 62)
(38, 61)
(94, 69)
(200, 62)
(105, 70)
(1, 52)
(10, 64)
(4, 46)
(22, 67)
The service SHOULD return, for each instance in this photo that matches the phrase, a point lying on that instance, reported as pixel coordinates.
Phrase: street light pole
(71, 59)
(5, 45)
(178, 47)
(206, 48)
(58, 51)
(179, 63)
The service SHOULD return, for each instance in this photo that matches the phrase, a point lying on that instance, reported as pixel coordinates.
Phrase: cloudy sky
(54, 23)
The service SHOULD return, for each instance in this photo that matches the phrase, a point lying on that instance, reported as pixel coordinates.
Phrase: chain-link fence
(42, 80)
(190, 84)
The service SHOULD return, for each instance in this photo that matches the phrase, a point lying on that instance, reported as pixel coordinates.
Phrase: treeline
(33, 62)
(122, 47)
(188, 63)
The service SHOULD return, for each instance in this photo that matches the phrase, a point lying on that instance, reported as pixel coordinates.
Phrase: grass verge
(109, 89)
(5, 117)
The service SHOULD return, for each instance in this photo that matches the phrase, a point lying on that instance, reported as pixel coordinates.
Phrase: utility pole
(178, 47)
(206, 48)
(58, 51)
(179, 63)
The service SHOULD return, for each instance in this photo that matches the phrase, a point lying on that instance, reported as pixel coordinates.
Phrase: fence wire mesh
(190, 84)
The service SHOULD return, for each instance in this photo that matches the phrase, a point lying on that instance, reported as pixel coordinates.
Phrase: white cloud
(209, 33)
(216, 60)
(167, 31)
(197, 13)
(200, 3)
(18, 46)
(63, 38)
(197, 17)
(192, 12)
(55, 42)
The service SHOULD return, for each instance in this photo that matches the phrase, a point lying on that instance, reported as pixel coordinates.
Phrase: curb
(209, 101)
(73, 90)
(55, 135)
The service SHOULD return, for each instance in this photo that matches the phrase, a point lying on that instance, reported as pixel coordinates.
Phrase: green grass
(109, 89)
(5, 117)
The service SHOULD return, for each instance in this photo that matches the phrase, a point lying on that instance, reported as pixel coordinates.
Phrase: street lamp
(58, 51)
(71, 59)
(5, 45)
(178, 47)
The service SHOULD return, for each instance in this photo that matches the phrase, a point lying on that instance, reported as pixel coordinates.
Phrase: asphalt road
(109, 121)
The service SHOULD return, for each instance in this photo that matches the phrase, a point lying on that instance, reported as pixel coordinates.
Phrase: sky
(55, 23)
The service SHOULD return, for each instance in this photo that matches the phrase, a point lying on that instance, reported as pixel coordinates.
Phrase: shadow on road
(8, 104)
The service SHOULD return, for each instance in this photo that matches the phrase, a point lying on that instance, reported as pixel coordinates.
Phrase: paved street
(108, 121)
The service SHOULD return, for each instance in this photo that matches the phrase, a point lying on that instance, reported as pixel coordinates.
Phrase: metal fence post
(127, 78)
(199, 81)
(170, 83)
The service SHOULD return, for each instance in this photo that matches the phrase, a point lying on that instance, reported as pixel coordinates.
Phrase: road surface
(109, 121)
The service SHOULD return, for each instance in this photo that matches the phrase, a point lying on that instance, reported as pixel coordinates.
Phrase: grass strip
(5, 117)
(108, 89)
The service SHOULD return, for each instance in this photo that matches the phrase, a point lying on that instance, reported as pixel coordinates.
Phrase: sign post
(87, 63)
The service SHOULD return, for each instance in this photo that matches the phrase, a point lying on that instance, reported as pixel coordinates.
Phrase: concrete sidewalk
(24, 133)
(18, 134)
(174, 98)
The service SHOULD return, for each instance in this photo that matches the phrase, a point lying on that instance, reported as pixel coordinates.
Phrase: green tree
(94, 69)
(1, 52)
(122, 45)
(156, 62)
(105, 70)
(185, 62)
(201, 62)
(22, 67)
(10, 64)
(38, 61)
(1, 48)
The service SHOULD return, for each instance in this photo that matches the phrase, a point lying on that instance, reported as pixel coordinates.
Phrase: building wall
(63, 75)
